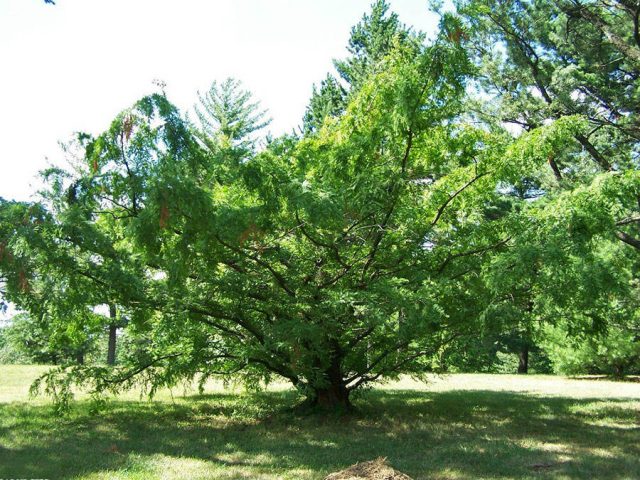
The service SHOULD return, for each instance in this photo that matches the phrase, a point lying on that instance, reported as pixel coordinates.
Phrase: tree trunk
(80, 357)
(111, 350)
(334, 397)
(618, 371)
(523, 364)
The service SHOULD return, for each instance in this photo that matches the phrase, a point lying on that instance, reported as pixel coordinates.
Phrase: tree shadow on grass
(457, 434)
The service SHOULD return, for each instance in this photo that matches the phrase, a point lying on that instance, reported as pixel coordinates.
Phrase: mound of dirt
(377, 469)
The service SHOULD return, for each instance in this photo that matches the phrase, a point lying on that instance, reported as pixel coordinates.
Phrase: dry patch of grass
(377, 469)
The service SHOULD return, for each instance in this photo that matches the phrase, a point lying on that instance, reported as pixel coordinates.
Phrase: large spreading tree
(355, 252)
(330, 260)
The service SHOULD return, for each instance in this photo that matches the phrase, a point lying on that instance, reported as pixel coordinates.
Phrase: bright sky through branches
(74, 66)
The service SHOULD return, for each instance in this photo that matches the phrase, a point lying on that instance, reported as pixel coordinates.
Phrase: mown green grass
(449, 429)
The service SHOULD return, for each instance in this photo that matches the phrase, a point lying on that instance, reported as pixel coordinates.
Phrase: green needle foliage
(228, 119)
(371, 40)
(575, 264)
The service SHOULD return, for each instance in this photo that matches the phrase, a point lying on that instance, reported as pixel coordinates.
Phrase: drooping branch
(454, 195)
(628, 239)
(319, 243)
(208, 314)
(377, 240)
(627, 221)
(382, 227)
(365, 377)
(132, 373)
(358, 338)
(280, 280)
(376, 362)
(475, 251)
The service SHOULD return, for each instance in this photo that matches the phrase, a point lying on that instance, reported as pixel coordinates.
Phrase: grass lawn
(460, 426)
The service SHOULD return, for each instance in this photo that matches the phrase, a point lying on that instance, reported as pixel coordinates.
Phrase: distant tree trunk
(80, 357)
(111, 350)
(618, 371)
(523, 364)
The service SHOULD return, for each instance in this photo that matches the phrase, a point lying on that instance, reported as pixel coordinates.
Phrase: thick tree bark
(523, 364)
(111, 349)
(333, 397)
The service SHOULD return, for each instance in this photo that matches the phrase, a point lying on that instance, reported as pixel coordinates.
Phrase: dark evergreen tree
(371, 40)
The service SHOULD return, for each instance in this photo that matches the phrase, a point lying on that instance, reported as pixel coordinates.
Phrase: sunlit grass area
(454, 427)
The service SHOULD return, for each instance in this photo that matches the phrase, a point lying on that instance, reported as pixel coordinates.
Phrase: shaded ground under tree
(454, 434)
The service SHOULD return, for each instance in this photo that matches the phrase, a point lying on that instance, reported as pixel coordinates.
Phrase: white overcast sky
(74, 66)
